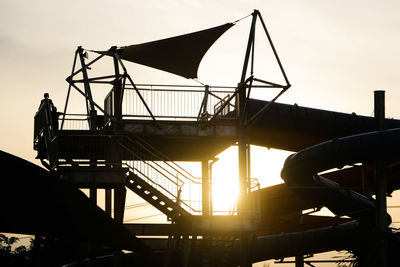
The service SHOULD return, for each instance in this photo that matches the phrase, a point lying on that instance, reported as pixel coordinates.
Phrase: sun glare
(225, 194)
(266, 165)
(225, 185)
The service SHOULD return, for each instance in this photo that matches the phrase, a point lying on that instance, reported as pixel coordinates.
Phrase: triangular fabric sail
(180, 55)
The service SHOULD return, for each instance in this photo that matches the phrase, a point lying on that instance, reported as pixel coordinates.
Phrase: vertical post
(108, 201)
(242, 131)
(210, 178)
(205, 99)
(119, 203)
(92, 247)
(93, 194)
(205, 188)
(381, 183)
(114, 155)
(243, 179)
(299, 261)
(88, 92)
(118, 93)
(243, 203)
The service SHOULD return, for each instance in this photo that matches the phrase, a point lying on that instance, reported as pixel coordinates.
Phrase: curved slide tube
(340, 237)
(300, 171)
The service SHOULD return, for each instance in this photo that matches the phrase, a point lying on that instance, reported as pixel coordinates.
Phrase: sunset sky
(335, 53)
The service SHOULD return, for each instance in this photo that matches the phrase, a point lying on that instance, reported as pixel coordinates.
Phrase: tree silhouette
(20, 256)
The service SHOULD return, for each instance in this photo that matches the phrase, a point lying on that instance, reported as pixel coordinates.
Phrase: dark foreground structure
(133, 140)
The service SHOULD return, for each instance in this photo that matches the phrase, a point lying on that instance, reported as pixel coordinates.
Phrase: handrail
(164, 189)
(185, 86)
(164, 158)
(184, 102)
(160, 176)
(184, 202)
(130, 168)
(179, 183)
(159, 185)
(146, 162)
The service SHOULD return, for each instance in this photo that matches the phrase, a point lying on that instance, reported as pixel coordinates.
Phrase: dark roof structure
(34, 201)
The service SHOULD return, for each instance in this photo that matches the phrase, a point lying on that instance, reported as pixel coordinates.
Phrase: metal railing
(166, 102)
(74, 122)
(163, 174)
(175, 102)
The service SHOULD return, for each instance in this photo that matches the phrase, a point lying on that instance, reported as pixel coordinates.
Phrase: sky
(335, 53)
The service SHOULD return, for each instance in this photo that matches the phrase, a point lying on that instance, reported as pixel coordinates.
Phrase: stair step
(155, 197)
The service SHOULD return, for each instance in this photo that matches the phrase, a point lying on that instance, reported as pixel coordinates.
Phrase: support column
(108, 201)
(381, 184)
(205, 200)
(243, 202)
(92, 247)
(93, 194)
(299, 261)
(119, 203)
(118, 91)
(205, 187)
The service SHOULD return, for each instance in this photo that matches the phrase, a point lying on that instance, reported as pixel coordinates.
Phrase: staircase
(85, 158)
(159, 181)
(153, 196)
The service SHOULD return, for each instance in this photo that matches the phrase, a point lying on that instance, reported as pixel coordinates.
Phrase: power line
(144, 217)
(138, 205)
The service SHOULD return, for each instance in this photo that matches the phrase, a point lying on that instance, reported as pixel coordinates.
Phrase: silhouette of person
(46, 98)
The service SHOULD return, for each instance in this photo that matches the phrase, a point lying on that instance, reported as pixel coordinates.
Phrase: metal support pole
(243, 203)
(92, 247)
(381, 183)
(93, 194)
(118, 91)
(299, 261)
(205, 188)
(108, 201)
(119, 203)
(88, 92)
(210, 179)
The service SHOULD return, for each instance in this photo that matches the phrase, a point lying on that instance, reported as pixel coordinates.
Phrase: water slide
(300, 171)
(294, 127)
(346, 139)
(306, 187)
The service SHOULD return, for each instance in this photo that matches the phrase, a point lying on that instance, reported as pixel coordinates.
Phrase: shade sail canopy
(180, 55)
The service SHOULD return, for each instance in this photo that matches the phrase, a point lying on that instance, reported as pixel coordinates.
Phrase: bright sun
(266, 165)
